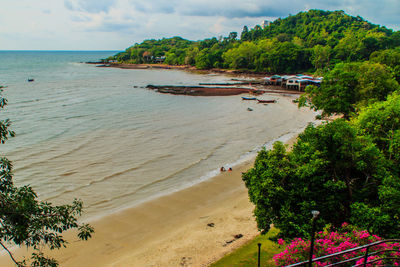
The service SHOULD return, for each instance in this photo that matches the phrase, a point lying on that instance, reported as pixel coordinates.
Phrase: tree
(242, 56)
(203, 59)
(350, 86)
(24, 220)
(331, 169)
(244, 36)
(381, 122)
(390, 57)
(320, 56)
(232, 36)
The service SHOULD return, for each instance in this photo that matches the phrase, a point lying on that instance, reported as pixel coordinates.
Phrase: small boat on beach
(248, 98)
(266, 101)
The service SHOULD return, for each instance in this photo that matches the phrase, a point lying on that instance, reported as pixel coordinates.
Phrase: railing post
(366, 257)
(315, 214)
(312, 244)
(259, 254)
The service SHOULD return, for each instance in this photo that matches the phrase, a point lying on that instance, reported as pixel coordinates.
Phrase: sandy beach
(170, 231)
(192, 227)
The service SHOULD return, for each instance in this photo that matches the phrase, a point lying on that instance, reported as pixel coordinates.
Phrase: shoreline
(172, 229)
(194, 226)
(250, 156)
(178, 67)
(254, 81)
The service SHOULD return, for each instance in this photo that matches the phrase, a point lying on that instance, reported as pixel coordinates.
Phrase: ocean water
(97, 134)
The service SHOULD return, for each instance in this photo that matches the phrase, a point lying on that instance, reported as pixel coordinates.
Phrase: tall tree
(350, 86)
(320, 56)
(244, 36)
(331, 169)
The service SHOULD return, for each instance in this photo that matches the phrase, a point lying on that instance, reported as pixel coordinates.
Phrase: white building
(265, 23)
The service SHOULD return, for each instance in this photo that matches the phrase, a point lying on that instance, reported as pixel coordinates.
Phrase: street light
(315, 214)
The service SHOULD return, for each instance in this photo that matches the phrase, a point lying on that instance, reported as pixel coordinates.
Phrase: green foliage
(24, 220)
(241, 57)
(350, 86)
(309, 39)
(381, 122)
(320, 56)
(175, 47)
(389, 57)
(332, 169)
(247, 255)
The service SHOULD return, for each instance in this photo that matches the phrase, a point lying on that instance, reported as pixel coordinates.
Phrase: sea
(97, 134)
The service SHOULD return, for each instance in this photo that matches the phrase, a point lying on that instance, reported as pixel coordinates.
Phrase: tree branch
(9, 252)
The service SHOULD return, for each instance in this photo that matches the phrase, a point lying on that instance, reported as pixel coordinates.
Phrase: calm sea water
(97, 134)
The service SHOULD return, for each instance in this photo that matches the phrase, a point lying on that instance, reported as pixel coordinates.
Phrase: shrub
(329, 242)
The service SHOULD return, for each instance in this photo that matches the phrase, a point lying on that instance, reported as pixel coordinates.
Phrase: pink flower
(332, 242)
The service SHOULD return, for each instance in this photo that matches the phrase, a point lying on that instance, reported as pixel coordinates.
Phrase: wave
(34, 155)
(209, 175)
(109, 177)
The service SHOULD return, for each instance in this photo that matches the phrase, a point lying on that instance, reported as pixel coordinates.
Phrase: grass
(247, 255)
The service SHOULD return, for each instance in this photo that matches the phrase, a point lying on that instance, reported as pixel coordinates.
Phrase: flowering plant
(329, 242)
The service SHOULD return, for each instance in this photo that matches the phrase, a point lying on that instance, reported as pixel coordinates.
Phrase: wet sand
(170, 231)
(192, 227)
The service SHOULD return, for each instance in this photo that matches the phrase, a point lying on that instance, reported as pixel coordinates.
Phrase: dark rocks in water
(225, 84)
(201, 90)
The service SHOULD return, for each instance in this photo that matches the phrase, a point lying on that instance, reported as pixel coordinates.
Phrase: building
(265, 23)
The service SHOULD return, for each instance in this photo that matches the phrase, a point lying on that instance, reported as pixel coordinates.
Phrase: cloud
(116, 24)
(163, 7)
(136, 20)
(91, 6)
(111, 26)
(231, 9)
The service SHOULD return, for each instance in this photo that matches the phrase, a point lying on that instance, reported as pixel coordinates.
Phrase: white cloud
(117, 24)
(90, 6)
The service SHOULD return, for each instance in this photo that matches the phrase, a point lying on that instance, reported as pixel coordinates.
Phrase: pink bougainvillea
(329, 242)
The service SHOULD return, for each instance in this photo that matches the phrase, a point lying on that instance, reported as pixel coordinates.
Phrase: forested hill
(308, 41)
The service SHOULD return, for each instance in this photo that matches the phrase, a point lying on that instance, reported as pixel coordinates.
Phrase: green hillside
(308, 41)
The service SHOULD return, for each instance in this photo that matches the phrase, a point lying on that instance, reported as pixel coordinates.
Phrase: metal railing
(388, 260)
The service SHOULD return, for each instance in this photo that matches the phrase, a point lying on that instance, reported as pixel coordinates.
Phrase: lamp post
(315, 214)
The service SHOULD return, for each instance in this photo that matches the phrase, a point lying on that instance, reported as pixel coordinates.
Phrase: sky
(118, 24)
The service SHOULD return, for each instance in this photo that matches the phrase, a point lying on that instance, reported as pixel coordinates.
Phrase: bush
(329, 242)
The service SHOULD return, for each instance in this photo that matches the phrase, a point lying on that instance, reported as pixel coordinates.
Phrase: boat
(248, 98)
(266, 101)
(31, 80)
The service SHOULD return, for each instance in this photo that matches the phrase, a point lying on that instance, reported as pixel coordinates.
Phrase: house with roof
(273, 80)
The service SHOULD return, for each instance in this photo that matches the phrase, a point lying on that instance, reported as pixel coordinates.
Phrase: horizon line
(57, 50)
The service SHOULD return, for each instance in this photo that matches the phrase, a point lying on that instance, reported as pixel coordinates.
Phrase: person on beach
(230, 169)
(222, 169)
